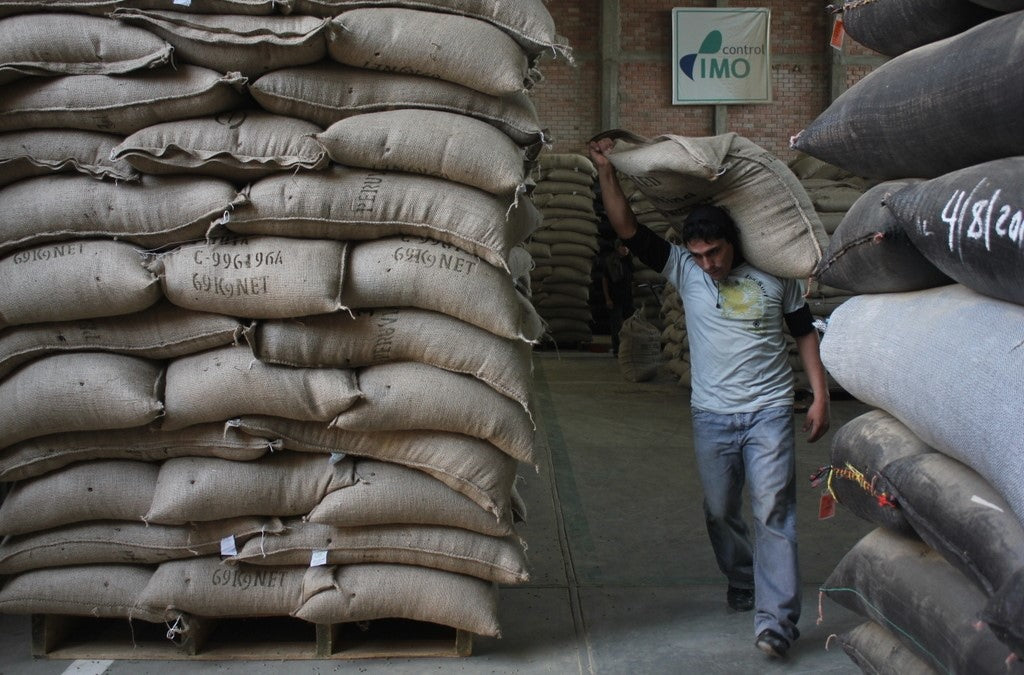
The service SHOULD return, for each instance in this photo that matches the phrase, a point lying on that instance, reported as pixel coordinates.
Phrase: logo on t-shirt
(743, 299)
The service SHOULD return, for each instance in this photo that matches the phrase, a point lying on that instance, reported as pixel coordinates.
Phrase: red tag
(837, 34)
(827, 506)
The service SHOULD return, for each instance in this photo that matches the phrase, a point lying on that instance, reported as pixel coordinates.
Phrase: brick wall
(568, 101)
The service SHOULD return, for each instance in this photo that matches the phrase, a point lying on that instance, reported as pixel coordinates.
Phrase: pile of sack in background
(263, 352)
(934, 254)
(564, 247)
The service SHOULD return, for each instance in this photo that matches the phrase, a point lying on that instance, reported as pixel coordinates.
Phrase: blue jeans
(760, 448)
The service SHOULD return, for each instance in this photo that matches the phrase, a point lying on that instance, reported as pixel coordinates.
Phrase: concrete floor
(623, 579)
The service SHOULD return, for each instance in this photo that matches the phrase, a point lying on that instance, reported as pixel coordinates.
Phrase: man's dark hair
(709, 222)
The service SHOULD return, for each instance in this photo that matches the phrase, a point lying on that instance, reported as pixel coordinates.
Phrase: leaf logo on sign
(711, 45)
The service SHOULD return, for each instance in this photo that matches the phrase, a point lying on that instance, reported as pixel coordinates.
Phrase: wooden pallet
(256, 639)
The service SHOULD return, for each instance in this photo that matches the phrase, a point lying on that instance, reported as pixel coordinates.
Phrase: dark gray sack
(892, 28)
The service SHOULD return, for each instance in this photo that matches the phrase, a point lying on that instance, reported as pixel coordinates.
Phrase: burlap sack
(48, 453)
(372, 337)
(126, 542)
(391, 494)
(455, 48)
(82, 392)
(567, 161)
(563, 188)
(409, 272)
(104, 7)
(197, 489)
(120, 105)
(500, 560)
(352, 593)
(238, 146)
(910, 118)
(249, 44)
(410, 395)
(161, 332)
(870, 252)
(155, 212)
(891, 28)
(37, 152)
(259, 278)
(572, 176)
(527, 21)
(874, 649)
(932, 608)
(71, 44)
(469, 465)
(207, 587)
(639, 348)
(74, 280)
(430, 142)
(100, 490)
(102, 591)
(358, 204)
(947, 363)
(327, 93)
(780, 232)
(216, 385)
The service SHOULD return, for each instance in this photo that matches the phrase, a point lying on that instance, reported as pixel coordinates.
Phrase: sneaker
(772, 644)
(740, 599)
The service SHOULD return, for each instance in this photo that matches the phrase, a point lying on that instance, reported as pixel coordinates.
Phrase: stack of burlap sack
(564, 246)
(263, 348)
(934, 254)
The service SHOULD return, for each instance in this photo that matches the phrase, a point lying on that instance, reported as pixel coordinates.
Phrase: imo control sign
(720, 56)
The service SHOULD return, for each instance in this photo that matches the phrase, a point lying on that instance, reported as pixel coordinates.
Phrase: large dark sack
(958, 514)
(861, 448)
(870, 252)
(893, 27)
(970, 224)
(932, 609)
(935, 109)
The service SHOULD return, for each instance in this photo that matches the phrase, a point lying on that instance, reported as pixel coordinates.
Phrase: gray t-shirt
(738, 356)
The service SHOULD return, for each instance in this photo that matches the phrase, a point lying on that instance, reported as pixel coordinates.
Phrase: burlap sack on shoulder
(104, 7)
(410, 272)
(446, 145)
(100, 490)
(497, 559)
(468, 465)
(327, 93)
(161, 332)
(258, 277)
(358, 204)
(197, 489)
(780, 232)
(74, 280)
(45, 44)
(410, 395)
(207, 587)
(249, 44)
(352, 593)
(238, 146)
(219, 384)
(38, 152)
(455, 48)
(79, 392)
(122, 104)
(372, 337)
(156, 212)
(387, 493)
(44, 454)
(527, 21)
(103, 591)
(112, 542)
